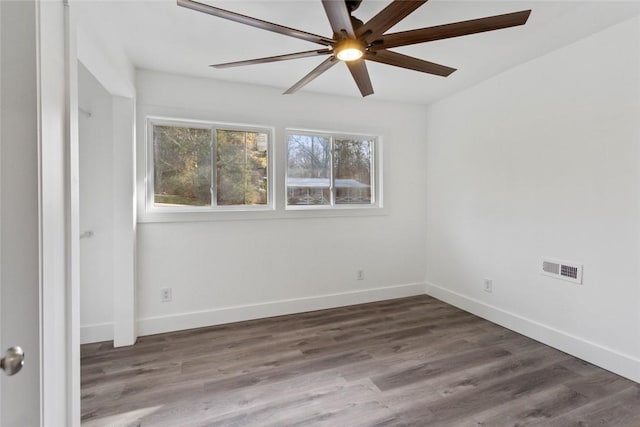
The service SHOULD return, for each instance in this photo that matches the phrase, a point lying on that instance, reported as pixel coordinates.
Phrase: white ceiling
(159, 35)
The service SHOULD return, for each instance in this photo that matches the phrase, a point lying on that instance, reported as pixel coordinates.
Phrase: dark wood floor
(413, 361)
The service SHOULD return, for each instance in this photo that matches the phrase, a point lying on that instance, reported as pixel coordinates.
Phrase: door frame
(42, 29)
(59, 221)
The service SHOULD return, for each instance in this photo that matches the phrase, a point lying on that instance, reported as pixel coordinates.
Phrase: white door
(33, 214)
(19, 230)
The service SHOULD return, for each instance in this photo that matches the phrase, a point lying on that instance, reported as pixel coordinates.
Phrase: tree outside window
(197, 166)
(329, 170)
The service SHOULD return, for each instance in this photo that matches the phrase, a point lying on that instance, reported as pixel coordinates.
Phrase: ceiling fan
(354, 41)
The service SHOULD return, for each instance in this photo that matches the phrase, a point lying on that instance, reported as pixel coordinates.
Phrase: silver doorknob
(12, 361)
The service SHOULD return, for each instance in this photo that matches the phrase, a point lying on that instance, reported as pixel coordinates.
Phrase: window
(206, 166)
(325, 170)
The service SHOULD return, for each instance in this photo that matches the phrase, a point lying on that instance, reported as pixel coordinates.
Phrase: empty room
(330, 213)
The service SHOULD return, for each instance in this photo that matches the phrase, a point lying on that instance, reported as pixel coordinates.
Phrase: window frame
(149, 199)
(375, 172)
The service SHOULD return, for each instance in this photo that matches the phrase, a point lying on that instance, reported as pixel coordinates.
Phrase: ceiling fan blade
(339, 17)
(254, 22)
(387, 18)
(276, 58)
(361, 76)
(403, 61)
(324, 66)
(455, 29)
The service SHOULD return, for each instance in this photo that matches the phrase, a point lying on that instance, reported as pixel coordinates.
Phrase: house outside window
(327, 170)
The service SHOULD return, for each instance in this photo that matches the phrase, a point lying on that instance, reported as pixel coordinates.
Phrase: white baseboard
(96, 333)
(609, 359)
(181, 321)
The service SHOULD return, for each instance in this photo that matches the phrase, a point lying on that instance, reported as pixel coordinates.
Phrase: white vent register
(565, 270)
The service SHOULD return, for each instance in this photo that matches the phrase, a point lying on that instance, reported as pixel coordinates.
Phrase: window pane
(352, 169)
(308, 169)
(241, 167)
(182, 166)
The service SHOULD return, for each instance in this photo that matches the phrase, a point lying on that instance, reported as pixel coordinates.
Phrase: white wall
(96, 156)
(214, 267)
(105, 60)
(543, 160)
(124, 221)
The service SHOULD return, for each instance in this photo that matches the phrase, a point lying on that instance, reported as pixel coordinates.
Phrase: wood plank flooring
(407, 362)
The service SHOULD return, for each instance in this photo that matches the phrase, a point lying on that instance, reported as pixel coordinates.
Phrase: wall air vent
(565, 270)
(551, 267)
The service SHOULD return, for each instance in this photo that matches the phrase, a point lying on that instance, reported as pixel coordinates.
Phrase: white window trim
(376, 171)
(277, 171)
(187, 212)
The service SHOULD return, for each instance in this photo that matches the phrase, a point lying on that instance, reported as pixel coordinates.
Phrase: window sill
(241, 214)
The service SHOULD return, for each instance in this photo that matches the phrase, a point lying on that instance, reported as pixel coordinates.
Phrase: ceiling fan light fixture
(355, 42)
(349, 50)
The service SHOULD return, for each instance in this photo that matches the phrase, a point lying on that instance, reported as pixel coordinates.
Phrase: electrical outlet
(488, 285)
(165, 295)
(360, 275)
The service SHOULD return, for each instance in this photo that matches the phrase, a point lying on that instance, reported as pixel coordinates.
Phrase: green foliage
(241, 168)
(166, 199)
(182, 165)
